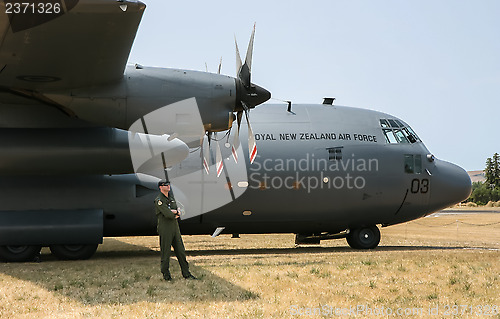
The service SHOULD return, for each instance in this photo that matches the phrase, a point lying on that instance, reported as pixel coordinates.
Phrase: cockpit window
(399, 123)
(384, 123)
(389, 136)
(393, 123)
(411, 138)
(413, 133)
(401, 136)
(396, 131)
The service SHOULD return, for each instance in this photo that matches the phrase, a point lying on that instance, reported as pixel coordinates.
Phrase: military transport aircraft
(74, 118)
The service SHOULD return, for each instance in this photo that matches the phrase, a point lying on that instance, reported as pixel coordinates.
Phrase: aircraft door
(417, 184)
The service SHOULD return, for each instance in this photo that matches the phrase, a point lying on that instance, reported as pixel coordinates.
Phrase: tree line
(489, 190)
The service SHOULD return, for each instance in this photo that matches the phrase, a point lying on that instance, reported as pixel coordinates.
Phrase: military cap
(163, 182)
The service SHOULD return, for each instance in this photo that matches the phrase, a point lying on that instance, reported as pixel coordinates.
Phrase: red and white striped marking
(219, 162)
(252, 146)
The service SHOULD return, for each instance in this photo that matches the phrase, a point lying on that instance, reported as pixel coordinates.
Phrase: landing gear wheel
(19, 253)
(73, 252)
(364, 237)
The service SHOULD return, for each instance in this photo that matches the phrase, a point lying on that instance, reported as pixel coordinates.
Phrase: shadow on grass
(124, 250)
(312, 250)
(128, 275)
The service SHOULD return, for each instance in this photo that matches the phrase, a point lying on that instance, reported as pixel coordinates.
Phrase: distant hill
(476, 176)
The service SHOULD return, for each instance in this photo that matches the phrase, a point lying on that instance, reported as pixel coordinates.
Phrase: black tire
(19, 253)
(364, 237)
(73, 252)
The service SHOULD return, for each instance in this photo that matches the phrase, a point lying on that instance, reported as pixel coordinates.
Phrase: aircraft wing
(60, 44)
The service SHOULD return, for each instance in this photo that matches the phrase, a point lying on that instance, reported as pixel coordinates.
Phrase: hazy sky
(434, 64)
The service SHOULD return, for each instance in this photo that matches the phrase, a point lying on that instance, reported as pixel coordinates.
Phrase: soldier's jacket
(163, 209)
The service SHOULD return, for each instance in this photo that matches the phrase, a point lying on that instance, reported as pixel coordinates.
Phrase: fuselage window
(418, 164)
(409, 164)
(413, 164)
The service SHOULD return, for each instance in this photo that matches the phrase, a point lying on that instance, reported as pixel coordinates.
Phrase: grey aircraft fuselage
(322, 169)
(325, 169)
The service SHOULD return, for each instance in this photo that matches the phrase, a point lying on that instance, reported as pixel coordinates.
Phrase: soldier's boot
(167, 277)
(191, 277)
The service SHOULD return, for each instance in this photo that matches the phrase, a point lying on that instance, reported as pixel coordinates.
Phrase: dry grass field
(437, 267)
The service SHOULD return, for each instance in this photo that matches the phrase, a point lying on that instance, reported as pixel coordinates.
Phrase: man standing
(168, 229)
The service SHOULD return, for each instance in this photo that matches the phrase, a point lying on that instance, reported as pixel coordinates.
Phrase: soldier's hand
(176, 212)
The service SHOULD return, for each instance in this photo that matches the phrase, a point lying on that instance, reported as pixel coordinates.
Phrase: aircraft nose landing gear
(367, 237)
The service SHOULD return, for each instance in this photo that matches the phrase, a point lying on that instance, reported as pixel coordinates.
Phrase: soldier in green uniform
(168, 229)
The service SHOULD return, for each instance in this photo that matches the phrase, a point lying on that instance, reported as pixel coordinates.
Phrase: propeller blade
(218, 160)
(246, 91)
(245, 71)
(248, 59)
(239, 115)
(252, 146)
(238, 57)
(206, 155)
(234, 147)
(236, 141)
(220, 65)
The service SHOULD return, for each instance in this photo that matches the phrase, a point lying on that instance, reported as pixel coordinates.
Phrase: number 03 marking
(419, 186)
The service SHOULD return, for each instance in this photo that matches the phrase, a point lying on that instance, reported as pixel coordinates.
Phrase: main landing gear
(73, 252)
(19, 253)
(31, 253)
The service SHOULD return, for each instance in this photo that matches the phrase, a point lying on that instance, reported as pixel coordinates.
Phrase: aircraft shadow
(126, 276)
(135, 251)
(312, 250)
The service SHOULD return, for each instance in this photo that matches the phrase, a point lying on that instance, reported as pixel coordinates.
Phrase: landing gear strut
(367, 237)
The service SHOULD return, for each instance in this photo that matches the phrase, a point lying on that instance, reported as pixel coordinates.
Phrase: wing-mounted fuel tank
(87, 150)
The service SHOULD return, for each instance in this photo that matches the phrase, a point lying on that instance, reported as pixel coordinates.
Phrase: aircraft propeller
(205, 154)
(248, 95)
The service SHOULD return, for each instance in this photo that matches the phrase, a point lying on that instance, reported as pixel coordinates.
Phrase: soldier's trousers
(174, 240)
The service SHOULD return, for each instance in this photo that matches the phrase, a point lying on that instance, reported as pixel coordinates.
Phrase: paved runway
(466, 211)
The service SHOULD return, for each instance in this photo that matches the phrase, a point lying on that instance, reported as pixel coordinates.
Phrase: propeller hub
(251, 96)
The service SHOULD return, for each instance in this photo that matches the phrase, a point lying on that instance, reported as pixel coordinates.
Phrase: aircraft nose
(450, 185)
